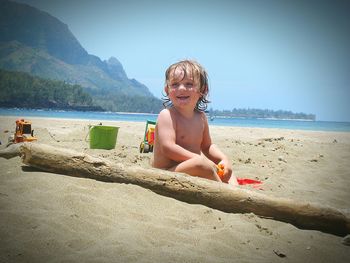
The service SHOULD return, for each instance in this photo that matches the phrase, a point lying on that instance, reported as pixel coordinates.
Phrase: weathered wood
(187, 188)
(10, 151)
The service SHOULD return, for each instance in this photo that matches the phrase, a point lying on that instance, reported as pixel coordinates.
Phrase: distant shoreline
(272, 119)
(88, 109)
(105, 116)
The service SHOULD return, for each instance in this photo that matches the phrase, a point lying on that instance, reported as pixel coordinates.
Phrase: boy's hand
(224, 170)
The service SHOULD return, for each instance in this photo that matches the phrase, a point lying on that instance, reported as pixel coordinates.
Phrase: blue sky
(289, 55)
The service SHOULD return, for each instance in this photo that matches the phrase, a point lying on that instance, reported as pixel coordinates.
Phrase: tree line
(261, 113)
(22, 90)
(19, 89)
(119, 101)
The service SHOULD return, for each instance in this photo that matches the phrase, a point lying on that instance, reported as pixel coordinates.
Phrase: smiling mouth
(183, 97)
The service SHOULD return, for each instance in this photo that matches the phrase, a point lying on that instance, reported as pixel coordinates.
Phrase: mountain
(40, 30)
(35, 42)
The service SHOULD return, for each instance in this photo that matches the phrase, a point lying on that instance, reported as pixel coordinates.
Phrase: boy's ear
(166, 90)
(205, 90)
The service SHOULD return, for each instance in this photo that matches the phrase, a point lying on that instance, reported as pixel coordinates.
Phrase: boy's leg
(198, 166)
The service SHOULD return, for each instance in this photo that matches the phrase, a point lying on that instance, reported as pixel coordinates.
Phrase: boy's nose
(182, 86)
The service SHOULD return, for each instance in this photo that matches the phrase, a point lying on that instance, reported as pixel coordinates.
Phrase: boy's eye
(189, 85)
(176, 85)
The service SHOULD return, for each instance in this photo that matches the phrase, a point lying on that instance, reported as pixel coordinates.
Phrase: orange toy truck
(24, 132)
(146, 145)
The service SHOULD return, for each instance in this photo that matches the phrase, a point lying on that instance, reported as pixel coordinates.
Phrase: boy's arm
(167, 139)
(213, 152)
(208, 148)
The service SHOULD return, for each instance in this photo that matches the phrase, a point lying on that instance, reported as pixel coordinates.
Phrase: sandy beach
(46, 217)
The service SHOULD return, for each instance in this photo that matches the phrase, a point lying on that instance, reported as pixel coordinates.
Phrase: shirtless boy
(182, 138)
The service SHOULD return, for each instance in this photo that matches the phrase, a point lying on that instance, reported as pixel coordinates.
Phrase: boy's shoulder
(171, 113)
(172, 110)
(163, 112)
(201, 114)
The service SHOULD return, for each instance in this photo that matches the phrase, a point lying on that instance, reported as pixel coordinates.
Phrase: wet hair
(193, 69)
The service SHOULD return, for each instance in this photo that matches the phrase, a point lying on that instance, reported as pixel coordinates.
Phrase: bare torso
(188, 134)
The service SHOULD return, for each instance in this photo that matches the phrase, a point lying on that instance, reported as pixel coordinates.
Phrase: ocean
(143, 117)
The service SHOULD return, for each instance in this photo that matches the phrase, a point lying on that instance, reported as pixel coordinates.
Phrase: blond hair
(197, 72)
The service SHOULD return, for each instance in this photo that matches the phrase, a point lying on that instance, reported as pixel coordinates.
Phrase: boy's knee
(202, 163)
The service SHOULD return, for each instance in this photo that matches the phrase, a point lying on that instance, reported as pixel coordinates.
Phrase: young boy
(182, 140)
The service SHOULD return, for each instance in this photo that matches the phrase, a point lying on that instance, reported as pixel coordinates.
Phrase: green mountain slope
(35, 42)
(40, 30)
(18, 89)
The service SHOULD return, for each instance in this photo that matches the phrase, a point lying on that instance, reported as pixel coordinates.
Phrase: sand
(47, 217)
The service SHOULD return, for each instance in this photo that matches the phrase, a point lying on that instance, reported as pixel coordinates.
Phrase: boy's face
(183, 89)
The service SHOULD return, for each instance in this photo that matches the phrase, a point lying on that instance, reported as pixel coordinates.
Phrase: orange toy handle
(220, 170)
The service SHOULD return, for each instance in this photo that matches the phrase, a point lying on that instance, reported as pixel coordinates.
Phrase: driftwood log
(11, 151)
(187, 188)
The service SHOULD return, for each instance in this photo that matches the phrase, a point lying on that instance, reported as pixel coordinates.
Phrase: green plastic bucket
(103, 137)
